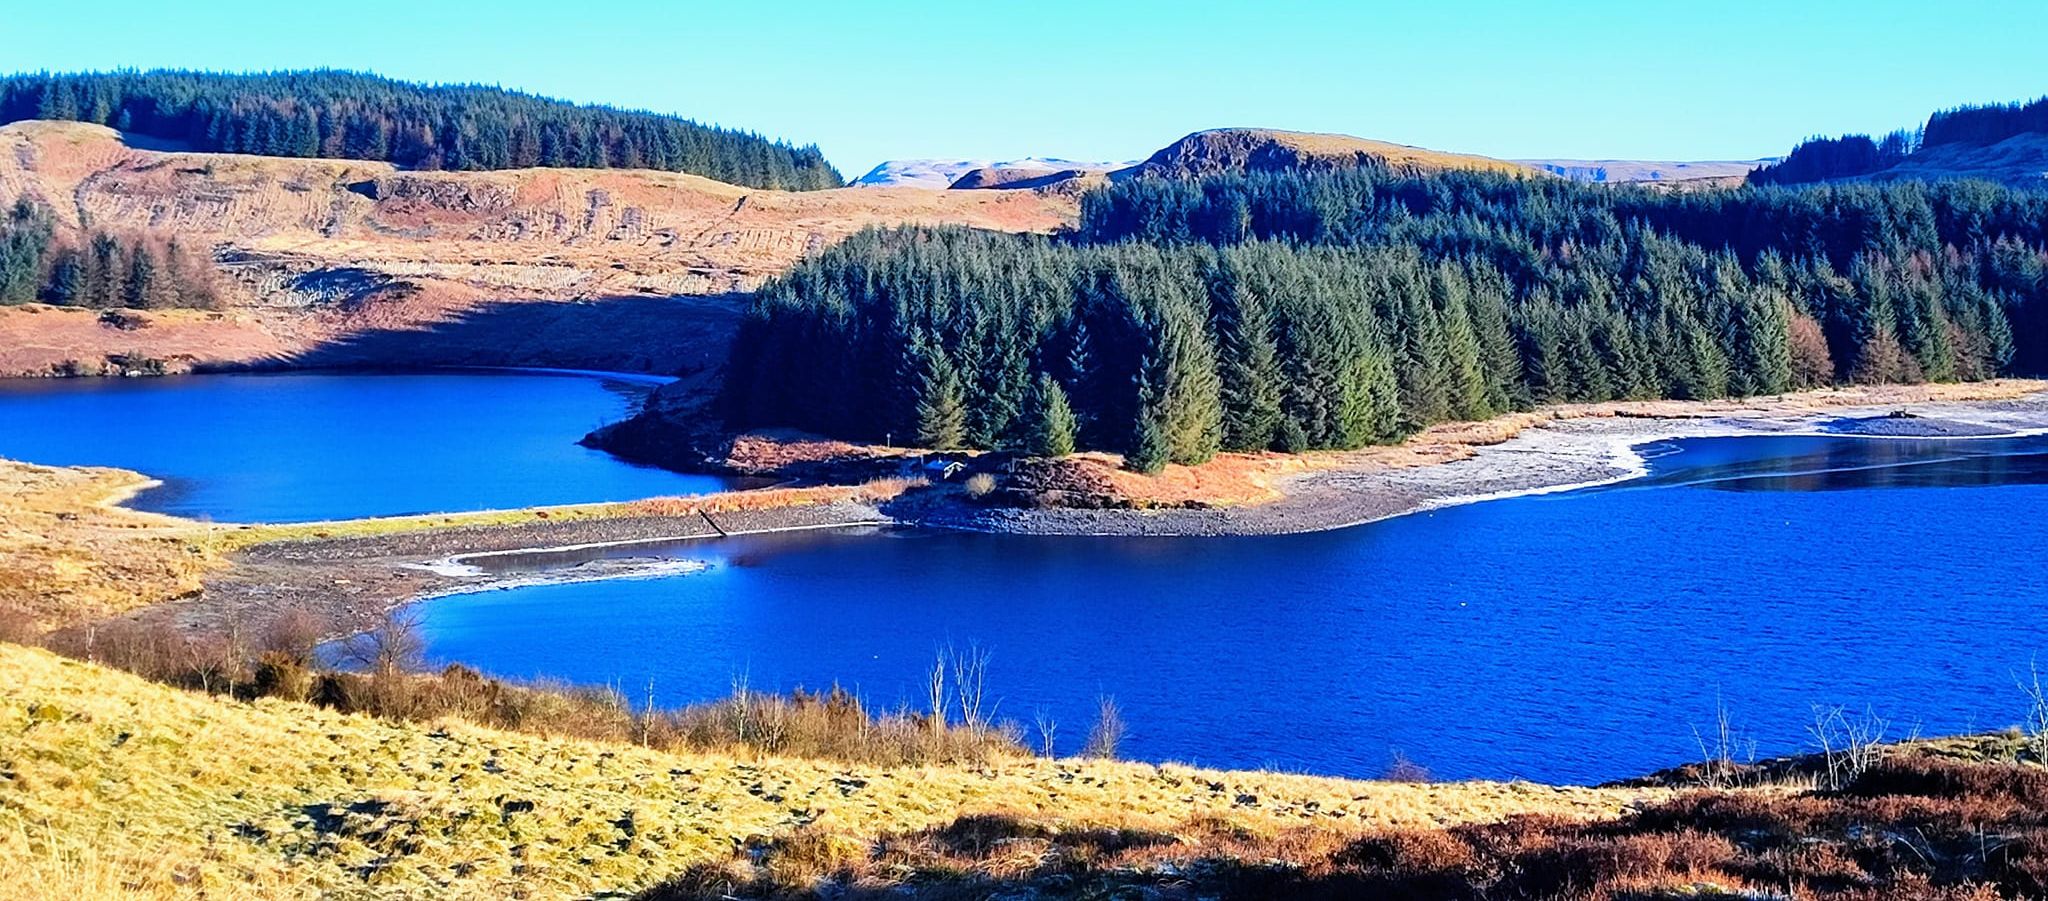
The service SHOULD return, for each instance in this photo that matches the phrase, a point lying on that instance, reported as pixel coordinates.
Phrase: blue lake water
(1576, 637)
(301, 447)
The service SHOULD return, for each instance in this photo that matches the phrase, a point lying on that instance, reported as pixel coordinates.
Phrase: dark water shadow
(1808, 463)
(665, 335)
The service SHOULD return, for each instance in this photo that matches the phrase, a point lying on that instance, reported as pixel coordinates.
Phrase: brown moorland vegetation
(1911, 828)
(109, 780)
(68, 554)
(320, 252)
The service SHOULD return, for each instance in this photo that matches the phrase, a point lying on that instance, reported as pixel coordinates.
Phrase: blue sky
(874, 81)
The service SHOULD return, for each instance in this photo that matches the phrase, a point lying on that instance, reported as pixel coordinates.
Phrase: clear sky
(1117, 80)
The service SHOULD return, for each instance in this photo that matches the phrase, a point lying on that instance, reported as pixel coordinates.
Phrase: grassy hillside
(337, 262)
(356, 115)
(107, 780)
(68, 555)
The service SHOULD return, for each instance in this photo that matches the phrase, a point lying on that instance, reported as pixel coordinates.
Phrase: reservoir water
(1579, 636)
(1574, 637)
(303, 447)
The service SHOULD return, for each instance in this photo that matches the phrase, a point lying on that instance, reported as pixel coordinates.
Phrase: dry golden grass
(1396, 155)
(68, 554)
(236, 537)
(109, 779)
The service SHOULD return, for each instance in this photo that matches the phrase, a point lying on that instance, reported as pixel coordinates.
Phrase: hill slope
(324, 251)
(107, 780)
(2005, 143)
(354, 115)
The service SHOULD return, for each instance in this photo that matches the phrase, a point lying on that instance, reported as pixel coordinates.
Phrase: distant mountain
(1640, 171)
(1216, 150)
(1262, 149)
(942, 173)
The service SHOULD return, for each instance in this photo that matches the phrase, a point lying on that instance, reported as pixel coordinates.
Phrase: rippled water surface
(1577, 636)
(294, 448)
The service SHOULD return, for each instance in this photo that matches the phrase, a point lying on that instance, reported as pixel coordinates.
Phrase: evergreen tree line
(103, 271)
(1822, 158)
(351, 115)
(1987, 124)
(1299, 311)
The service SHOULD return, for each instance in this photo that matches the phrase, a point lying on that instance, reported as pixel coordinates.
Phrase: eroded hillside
(322, 253)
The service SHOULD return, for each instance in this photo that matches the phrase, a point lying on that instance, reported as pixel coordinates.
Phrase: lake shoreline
(348, 574)
(1561, 454)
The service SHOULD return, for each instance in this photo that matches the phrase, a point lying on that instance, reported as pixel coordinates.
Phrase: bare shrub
(18, 626)
(393, 645)
(2035, 729)
(970, 685)
(1047, 728)
(980, 484)
(1850, 744)
(281, 675)
(831, 724)
(390, 653)
(935, 694)
(1719, 749)
(382, 680)
(1404, 770)
(1107, 735)
(294, 634)
(212, 665)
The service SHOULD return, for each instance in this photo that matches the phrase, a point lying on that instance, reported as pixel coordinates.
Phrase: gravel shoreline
(344, 585)
(1556, 456)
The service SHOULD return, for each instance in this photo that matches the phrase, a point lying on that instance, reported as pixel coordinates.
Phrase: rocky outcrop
(1267, 150)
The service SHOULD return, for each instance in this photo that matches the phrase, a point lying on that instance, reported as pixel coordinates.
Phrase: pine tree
(1053, 427)
(1425, 361)
(1187, 395)
(67, 278)
(1248, 361)
(1505, 389)
(102, 279)
(1463, 363)
(941, 411)
(140, 291)
(1350, 307)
